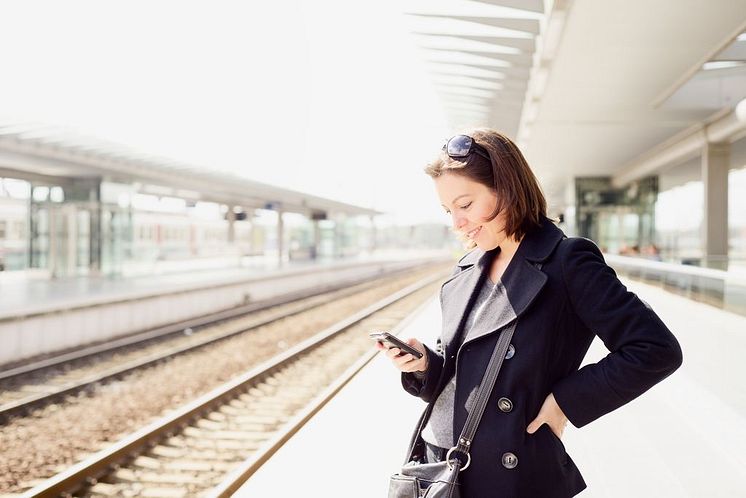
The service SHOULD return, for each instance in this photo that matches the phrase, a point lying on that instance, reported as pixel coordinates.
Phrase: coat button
(510, 353)
(505, 404)
(510, 461)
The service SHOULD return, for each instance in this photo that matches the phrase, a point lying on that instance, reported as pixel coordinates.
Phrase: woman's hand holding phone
(406, 362)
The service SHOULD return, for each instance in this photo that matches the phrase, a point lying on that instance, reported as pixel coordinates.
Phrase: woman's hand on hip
(550, 414)
(406, 362)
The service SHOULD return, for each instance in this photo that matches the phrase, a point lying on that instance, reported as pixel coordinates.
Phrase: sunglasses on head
(461, 146)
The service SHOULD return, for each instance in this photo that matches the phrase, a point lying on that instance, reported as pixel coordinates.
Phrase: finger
(416, 344)
(412, 366)
(403, 359)
(534, 425)
(409, 362)
(393, 352)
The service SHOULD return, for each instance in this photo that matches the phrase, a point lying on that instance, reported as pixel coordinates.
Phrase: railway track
(210, 446)
(28, 387)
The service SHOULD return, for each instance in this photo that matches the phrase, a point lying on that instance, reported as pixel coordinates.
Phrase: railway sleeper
(196, 433)
(215, 444)
(148, 477)
(165, 451)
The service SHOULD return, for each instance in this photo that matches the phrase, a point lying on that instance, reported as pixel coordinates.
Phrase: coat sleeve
(642, 349)
(423, 386)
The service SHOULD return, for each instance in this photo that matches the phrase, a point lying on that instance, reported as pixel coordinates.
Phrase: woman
(561, 293)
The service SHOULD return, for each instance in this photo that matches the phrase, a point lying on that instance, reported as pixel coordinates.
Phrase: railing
(724, 289)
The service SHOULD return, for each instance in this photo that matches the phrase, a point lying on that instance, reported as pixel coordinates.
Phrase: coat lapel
(522, 281)
(459, 292)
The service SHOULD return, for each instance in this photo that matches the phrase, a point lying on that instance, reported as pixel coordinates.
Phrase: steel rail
(236, 478)
(92, 468)
(27, 403)
(203, 320)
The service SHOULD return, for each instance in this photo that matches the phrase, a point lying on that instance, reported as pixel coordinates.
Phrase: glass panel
(116, 239)
(83, 256)
(724, 289)
(39, 236)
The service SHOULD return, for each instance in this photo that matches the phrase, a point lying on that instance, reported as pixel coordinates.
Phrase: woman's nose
(458, 221)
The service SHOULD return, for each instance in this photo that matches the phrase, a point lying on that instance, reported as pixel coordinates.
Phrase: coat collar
(536, 246)
(522, 281)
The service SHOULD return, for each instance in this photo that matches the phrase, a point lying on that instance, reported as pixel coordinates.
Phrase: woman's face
(470, 203)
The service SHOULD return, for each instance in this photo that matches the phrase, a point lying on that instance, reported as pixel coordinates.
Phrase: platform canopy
(591, 87)
(479, 55)
(48, 155)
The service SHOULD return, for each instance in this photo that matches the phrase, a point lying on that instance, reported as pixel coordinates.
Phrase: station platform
(41, 316)
(685, 437)
(26, 294)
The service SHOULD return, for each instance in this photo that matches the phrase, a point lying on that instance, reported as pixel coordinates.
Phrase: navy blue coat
(559, 308)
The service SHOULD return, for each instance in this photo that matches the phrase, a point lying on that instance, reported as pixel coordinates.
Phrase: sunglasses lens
(459, 146)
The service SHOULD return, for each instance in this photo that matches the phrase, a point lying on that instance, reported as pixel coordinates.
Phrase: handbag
(440, 479)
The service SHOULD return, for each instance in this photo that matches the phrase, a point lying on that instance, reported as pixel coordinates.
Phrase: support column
(316, 240)
(715, 163)
(96, 230)
(53, 245)
(338, 235)
(231, 217)
(280, 238)
(373, 233)
(70, 239)
(250, 214)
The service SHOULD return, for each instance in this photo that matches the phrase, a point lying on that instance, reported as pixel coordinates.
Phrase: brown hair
(507, 174)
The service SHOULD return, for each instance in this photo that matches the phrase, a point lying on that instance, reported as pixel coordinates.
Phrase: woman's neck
(508, 248)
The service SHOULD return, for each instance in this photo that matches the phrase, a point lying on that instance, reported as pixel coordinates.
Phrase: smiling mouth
(473, 233)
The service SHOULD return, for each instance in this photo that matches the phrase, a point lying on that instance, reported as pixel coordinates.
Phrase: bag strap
(485, 389)
(475, 415)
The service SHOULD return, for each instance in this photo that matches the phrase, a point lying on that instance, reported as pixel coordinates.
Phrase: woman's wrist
(421, 373)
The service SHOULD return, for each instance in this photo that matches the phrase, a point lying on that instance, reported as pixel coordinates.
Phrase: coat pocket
(558, 447)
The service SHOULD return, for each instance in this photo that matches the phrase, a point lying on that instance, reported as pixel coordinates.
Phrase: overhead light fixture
(711, 65)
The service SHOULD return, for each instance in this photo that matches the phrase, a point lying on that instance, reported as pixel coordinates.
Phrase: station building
(81, 207)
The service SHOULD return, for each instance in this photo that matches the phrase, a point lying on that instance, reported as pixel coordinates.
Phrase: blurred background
(134, 137)
(172, 169)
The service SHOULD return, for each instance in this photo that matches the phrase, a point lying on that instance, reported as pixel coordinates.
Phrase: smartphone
(391, 341)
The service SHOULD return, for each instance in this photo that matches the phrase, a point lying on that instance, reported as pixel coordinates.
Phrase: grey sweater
(439, 430)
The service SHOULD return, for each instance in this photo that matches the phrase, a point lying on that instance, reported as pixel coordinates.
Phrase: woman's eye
(466, 206)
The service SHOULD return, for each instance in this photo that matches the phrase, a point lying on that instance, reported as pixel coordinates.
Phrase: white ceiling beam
(522, 73)
(465, 84)
(512, 23)
(528, 5)
(460, 70)
(525, 45)
(510, 60)
(468, 80)
(464, 91)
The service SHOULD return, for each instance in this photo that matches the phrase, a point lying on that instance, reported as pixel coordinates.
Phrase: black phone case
(396, 342)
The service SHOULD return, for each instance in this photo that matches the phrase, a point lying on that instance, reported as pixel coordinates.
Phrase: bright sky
(328, 97)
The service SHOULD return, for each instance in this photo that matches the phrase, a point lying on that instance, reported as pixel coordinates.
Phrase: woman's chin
(485, 245)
